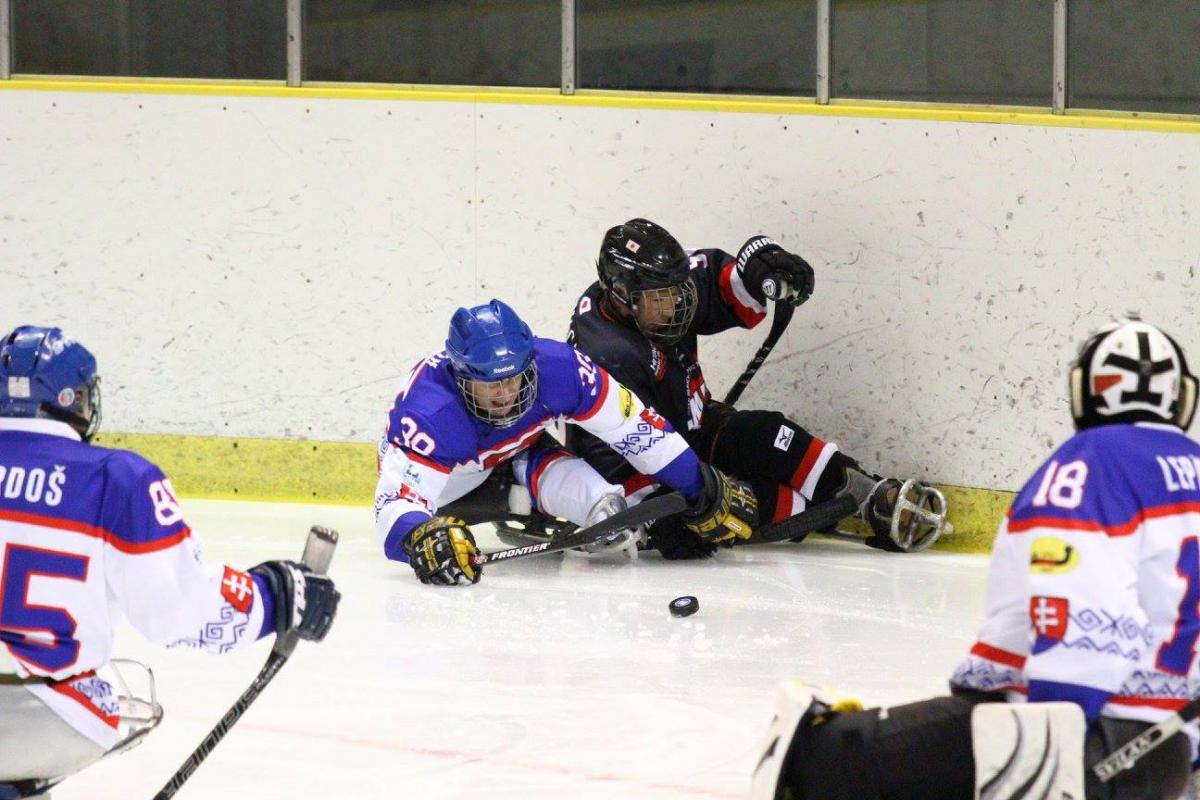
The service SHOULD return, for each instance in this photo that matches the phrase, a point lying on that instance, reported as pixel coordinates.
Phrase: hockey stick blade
(318, 552)
(644, 512)
(813, 519)
(1132, 751)
(779, 323)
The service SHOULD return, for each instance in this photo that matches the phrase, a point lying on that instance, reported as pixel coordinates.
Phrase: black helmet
(645, 271)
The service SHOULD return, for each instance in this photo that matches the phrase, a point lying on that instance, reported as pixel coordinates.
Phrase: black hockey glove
(772, 273)
(675, 542)
(440, 551)
(726, 510)
(304, 601)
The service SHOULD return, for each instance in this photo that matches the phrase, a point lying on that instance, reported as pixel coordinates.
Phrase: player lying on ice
(641, 321)
(88, 534)
(487, 400)
(1092, 599)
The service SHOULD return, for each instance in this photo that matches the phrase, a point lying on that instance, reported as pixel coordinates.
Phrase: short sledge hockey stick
(318, 552)
(829, 513)
(1132, 751)
(644, 512)
(772, 287)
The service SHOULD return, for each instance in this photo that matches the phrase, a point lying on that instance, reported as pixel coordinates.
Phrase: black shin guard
(919, 751)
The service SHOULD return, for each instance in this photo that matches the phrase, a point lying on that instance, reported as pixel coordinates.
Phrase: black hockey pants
(922, 751)
(769, 451)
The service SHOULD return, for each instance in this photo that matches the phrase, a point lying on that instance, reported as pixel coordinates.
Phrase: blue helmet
(44, 373)
(490, 344)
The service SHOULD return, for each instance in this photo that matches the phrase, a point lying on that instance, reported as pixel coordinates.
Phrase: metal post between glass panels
(824, 37)
(568, 47)
(1059, 99)
(5, 39)
(295, 42)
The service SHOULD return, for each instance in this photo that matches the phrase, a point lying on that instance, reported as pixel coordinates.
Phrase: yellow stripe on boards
(273, 470)
(288, 471)
(593, 98)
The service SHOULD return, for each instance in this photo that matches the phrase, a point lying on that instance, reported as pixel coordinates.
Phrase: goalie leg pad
(1028, 750)
(918, 751)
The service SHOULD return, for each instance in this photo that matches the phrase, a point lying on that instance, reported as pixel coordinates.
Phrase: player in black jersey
(641, 321)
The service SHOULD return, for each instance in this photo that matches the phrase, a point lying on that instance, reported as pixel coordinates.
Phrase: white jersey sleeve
(155, 573)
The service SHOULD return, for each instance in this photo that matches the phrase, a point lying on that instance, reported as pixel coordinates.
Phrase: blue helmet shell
(45, 373)
(489, 342)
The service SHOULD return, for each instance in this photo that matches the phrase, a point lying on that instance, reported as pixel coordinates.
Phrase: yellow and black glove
(440, 551)
(726, 510)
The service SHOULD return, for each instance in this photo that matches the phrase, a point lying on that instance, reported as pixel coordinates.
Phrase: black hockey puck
(684, 606)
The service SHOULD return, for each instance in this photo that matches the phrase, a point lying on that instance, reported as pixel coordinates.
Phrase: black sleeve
(718, 306)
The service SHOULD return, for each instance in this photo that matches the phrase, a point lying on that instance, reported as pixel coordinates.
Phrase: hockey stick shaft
(644, 512)
(1132, 751)
(779, 323)
(318, 552)
(812, 519)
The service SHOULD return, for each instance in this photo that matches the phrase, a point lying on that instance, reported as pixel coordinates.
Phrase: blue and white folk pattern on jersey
(434, 451)
(88, 535)
(1094, 591)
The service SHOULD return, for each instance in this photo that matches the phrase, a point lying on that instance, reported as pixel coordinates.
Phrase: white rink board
(272, 267)
(555, 676)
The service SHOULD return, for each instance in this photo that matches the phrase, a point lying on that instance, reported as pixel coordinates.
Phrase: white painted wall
(272, 267)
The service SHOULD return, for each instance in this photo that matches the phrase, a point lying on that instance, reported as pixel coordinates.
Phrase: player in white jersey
(1093, 599)
(89, 535)
(484, 403)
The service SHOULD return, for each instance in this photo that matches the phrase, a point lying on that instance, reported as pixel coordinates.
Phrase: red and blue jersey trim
(121, 543)
(1021, 524)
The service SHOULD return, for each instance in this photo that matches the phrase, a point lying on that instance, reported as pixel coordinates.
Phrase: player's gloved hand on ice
(726, 509)
(304, 601)
(675, 542)
(440, 551)
(772, 273)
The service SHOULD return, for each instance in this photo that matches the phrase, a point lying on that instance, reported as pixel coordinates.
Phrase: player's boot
(624, 541)
(906, 516)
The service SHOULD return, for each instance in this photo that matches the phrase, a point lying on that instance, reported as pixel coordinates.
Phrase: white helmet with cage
(1130, 371)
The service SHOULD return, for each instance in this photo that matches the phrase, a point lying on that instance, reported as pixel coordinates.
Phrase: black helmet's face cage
(501, 403)
(665, 314)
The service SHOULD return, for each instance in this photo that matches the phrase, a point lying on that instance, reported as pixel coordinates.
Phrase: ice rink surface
(556, 676)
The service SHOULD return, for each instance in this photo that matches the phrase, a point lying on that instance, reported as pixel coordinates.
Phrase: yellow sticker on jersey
(625, 401)
(1051, 556)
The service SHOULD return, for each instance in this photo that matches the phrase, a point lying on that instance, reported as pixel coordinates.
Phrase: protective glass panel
(465, 42)
(1137, 55)
(997, 52)
(731, 46)
(151, 38)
